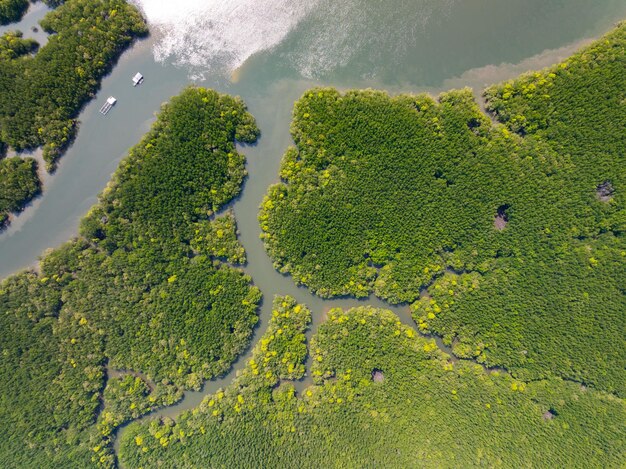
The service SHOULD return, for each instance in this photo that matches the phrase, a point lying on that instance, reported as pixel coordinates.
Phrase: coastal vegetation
(130, 298)
(508, 239)
(42, 94)
(564, 304)
(12, 10)
(20, 183)
(194, 172)
(382, 397)
(13, 45)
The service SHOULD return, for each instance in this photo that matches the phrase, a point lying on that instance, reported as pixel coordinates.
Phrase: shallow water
(399, 45)
(30, 22)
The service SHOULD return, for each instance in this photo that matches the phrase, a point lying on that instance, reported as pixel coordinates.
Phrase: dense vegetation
(391, 195)
(19, 183)
(507, 239)
(383, 397)
(194, 172)
(131, 294)
(12, 10)
(41, 94)
(558, 306)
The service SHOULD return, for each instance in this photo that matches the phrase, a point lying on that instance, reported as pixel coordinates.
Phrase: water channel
(401, 46)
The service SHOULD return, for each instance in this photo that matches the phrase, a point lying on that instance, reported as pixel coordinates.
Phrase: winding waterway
(402, 46)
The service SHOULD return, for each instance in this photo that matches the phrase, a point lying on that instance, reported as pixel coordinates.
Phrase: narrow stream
(269, 280)
(271, 283)
(393, 45)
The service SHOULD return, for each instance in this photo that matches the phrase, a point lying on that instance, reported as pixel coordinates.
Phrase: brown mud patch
(604, 191)
(501, 219)
(378, 375)
(113, 373)
(549, 414)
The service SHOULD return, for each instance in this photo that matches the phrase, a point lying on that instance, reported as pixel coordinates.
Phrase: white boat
(108, 105)
(137, 79)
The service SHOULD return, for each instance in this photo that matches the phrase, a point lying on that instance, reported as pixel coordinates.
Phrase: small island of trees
(19, 183)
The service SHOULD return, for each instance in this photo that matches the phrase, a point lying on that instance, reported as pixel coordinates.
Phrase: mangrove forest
(128, 315)
(507, 238)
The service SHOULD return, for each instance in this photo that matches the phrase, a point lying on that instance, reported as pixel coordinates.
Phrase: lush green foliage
(49, 393)
(386, 195)
(559, 306)
(183, 320)
(423, 410)
(132, 296)
(41, 95)
(18, 183)
(12, 10)
(189, 169)
(129, 396)
(13, 45)
(383, 192)
(218, 238)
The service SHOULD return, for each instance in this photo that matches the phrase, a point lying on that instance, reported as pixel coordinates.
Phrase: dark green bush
(12, 10)
(19, 183)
